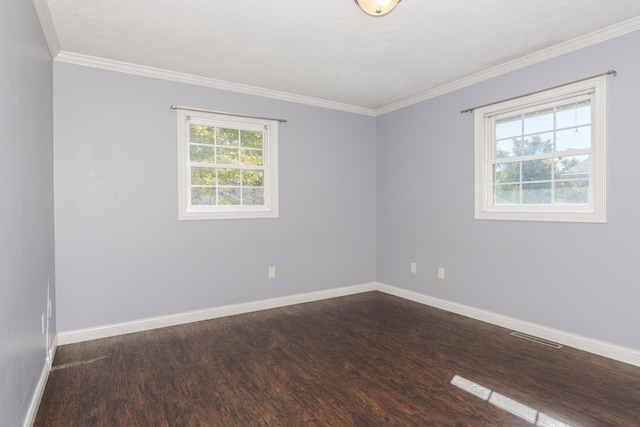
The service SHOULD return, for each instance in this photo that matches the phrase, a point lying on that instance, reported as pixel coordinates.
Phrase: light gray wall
(26, 215)
(122, 254)
(580, 278)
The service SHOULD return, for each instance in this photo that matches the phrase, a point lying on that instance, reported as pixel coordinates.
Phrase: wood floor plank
(362, 360)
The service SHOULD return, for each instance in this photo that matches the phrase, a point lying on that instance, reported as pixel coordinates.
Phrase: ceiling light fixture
(377, 7)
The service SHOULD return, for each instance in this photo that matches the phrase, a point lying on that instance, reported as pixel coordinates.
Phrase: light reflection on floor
(503, 402)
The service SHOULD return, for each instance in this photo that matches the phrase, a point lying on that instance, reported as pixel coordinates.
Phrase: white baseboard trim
(39, 391)
(87, 334)
(601, 348)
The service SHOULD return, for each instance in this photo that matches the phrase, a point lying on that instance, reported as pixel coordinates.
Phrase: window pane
(537, 170)
(228, 196)
(203, 176)
(572, 115)
(251, 178)
(538, 144)
(228, 166)
(228, 136)
(573, 139)
(572, 192)
(572, 167)
(538, 121)
(202, 153)
(537, 193)
(227, 156)
(507, 172)
(508, 148)
(251, 139)
(227, 176)
(509, 127)
(253, 196)
(203, 196)
(251, 157)
(508, 194)
(536, 155)
(201, 134)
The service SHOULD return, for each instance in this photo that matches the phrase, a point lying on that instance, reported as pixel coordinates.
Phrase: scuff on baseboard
(536, 340)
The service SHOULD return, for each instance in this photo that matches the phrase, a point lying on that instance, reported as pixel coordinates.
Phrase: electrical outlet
(272, 272)
(43, 322)
(413, 267)
(50, 308)
(440, 272)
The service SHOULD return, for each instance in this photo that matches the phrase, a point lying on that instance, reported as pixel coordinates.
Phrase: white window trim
(270, 162)
(595, 210)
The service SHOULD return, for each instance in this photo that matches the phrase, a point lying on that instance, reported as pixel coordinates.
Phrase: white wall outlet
(272, 272)
(414, 267)
(50, 308)
(440, 272)
(42, 322)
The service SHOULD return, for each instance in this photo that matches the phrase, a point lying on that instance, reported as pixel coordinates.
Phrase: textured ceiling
(328, 49)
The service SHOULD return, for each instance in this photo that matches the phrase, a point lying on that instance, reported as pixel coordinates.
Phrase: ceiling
(326, 50)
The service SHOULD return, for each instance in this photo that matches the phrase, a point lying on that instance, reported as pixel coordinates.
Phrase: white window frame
(595, 209)
(187, 211)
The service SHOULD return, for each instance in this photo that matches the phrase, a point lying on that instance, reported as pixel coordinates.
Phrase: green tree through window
(539, 179)
(228, 166)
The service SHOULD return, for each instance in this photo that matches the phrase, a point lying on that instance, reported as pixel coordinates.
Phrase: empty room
(336, 213)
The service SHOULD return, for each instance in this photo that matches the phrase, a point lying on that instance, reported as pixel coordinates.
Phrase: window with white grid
(542, 157)
(227, 166)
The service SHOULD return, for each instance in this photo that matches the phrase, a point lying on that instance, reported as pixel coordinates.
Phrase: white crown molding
(601, 348)
(46, 22)
(601, 35)
(158, 73)
(87, 334)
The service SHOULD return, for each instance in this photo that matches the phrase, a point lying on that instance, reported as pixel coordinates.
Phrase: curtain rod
(178, 107)
(469, 110)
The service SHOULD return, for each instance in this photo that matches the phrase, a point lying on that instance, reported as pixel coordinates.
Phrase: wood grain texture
(363, 360)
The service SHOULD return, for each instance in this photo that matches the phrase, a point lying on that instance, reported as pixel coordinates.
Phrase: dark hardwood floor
(363, 360)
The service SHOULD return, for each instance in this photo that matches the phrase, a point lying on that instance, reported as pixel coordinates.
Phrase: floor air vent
(536, 339)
